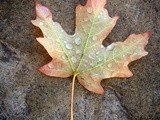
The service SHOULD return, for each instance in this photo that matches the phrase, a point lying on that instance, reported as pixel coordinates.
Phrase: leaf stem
(72, 95)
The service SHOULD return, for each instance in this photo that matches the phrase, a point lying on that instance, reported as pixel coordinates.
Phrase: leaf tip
(99, 4)
(99, 90)
(45, 70)
(146, 37)
(42, 11)
(149, 34)
(116, 17)
(33, 22)
(39, 39)
(41, 69)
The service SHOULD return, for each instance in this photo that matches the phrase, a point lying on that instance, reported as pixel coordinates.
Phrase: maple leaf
(83, 54)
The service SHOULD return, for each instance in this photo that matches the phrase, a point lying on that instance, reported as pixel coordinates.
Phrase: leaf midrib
(84, 50)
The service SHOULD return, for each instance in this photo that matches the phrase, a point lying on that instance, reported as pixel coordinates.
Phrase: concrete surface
(26, 94)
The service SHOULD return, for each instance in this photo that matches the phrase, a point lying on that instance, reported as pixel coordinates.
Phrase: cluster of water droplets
(73, 45)
(70, 45)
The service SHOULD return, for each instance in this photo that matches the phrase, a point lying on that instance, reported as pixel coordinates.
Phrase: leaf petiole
(72, 95)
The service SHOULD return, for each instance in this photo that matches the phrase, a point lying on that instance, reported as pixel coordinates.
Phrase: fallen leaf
(83, 54)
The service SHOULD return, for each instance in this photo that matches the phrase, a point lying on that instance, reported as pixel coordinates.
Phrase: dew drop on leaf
(62, 31)
(94, 37)
(73, 59)
(50, 42)
(63, 57)
(90, 56)
(102, 46)
(109, 65)
(41, 23)
(65, 41)
(97, 53)
(69, 46)
(78, 51)
(124, 56)
(78, 41)
(111, 47)
(48, 37)
(100, 59)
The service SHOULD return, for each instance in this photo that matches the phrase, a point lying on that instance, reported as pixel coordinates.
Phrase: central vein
(85, 47)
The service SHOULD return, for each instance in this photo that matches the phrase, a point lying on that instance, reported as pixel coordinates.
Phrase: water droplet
(97, 53)
(85, 65)
(94, 37)
(52, 49)
(105, 17)
(50, 42)
(78, 41)
(48, 37)
(63, 57)
(62, 31)
(109, 65)
(65, 41)
(69, 46)
(73, 59)
(89, 10)
(90, 56)
(78, 51)
(41, 23)
(111, 47)
(59, 56)
(102, 46)
(100, 59)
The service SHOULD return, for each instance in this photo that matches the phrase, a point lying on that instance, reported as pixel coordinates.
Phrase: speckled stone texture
(26, 94)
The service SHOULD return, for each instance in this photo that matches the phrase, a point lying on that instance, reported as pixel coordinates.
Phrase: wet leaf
(83, 53)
